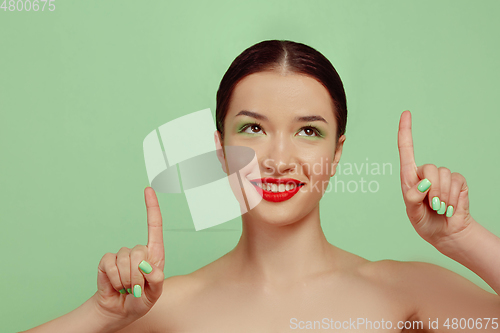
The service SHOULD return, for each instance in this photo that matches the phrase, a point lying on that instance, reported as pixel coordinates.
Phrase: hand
(120, 271)
(436, 226)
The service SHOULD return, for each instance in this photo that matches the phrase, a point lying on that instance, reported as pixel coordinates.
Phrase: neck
(281, 254)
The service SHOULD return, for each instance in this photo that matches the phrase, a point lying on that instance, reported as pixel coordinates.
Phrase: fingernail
(123, 291)
(137, 290)
(424, 185)
(145, 267)
(436, 203)
(442, 209)
(449, 211)
(129, 290)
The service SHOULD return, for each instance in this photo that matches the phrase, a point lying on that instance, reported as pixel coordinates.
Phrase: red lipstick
(267, 184)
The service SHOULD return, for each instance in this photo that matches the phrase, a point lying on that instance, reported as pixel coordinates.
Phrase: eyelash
(315, 129)
(244, 127)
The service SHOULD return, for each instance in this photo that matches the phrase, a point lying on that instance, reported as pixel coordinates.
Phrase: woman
(286, 102)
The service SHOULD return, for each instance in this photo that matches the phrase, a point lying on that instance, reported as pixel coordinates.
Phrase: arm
(444, 297)
(108, 310)
(85, 319)
(430, 192)
(477, 249)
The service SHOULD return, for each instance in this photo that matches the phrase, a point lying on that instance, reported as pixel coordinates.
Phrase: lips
(277, 189)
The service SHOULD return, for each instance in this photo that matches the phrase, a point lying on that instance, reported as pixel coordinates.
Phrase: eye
(253, 129)
(309, 131)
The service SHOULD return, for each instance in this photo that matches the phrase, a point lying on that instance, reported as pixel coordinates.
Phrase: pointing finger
(406, 154)
(156, 250)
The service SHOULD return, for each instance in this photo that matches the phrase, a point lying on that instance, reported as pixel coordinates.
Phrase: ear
(338, 153)
(219, 145)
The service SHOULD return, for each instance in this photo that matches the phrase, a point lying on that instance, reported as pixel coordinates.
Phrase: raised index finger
(156, 250)
(405, 146)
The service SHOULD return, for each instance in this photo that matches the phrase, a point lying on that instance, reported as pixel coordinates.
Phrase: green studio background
(81, 87)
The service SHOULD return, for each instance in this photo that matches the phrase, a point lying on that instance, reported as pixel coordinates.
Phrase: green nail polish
(129, 290)
(442, 209)
(145, 267)
(436, 203)
(137, 290)
(449, 211)
(123, 291)
(424, 185)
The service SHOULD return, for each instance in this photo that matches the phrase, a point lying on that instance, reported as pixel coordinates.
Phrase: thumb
(154, 277)
(462, 208)
(414, 200)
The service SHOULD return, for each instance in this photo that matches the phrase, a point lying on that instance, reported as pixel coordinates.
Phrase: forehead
(277, 95)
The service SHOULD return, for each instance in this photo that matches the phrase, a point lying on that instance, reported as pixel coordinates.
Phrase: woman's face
(288, 120)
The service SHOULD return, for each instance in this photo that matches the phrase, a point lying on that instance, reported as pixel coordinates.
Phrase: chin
(279, 214)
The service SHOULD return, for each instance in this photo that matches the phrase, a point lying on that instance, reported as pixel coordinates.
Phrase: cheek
(241, 140)
(318, 165)
(237, 140)
(318, 170)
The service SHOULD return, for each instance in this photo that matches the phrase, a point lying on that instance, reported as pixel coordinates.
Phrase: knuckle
(444, 170)
(123, 260)
(429, 166)
(112, 269)
(139, 247)
(108, 256)
(138, 251)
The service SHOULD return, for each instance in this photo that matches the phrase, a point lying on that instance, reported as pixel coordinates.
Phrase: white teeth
(276, 188)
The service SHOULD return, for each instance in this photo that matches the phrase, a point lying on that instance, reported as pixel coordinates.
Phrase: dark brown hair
(285, 55)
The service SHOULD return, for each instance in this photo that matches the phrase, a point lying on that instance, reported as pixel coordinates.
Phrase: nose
(279, 158)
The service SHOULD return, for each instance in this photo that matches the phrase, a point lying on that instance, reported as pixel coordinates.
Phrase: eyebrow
(311, 118)
(251, 114)
(262, 117)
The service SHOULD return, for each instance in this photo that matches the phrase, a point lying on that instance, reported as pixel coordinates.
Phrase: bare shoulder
(413, 275)
(383, 274)
(407, 281)
(163, 317)
(407, 275)
(388, 270)
(178, 292)
(386, 275)
(429, 288)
